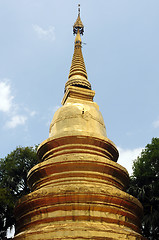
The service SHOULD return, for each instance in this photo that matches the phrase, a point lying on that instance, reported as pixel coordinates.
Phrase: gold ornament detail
(78, 75)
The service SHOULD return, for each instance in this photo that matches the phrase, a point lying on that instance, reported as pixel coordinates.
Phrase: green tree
(13, 183)
(144, 184)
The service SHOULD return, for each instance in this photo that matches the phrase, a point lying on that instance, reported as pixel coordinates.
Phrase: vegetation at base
(144, 185)
(13, 183)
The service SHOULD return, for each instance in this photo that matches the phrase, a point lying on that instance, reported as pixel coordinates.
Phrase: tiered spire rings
(78, 75)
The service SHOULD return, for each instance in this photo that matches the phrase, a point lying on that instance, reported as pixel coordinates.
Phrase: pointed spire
(78, 24)
(78, 75)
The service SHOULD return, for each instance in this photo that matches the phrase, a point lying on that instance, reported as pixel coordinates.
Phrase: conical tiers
(78, 188)
(78, 75)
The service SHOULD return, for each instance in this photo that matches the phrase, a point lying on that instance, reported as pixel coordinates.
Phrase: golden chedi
(78, 189)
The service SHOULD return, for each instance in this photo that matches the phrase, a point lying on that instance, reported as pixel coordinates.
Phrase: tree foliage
(13, 183)
(144, 184)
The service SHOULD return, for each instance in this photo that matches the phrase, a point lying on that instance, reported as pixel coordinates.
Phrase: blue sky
(121, 56)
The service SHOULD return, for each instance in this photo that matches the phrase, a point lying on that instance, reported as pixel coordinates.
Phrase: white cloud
(11, 232)
(12, 110)
(156, 123)
(126, 157)
(30, 112)
(15, 121)
(5, 96)
(46, 34)
(33, 113)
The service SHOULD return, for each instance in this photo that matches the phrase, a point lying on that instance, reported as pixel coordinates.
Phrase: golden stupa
(78, 188)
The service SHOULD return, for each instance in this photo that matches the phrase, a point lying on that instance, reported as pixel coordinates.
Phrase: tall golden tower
(78, 186)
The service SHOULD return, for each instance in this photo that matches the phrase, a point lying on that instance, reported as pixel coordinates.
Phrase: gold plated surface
(78, 188)
(77, 117)
(78, 23)
(78, 75)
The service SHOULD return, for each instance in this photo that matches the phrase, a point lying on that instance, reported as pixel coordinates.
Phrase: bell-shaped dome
(78, 118)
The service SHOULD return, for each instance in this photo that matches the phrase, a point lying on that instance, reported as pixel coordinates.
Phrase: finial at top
(78, 9)
(78, 24)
